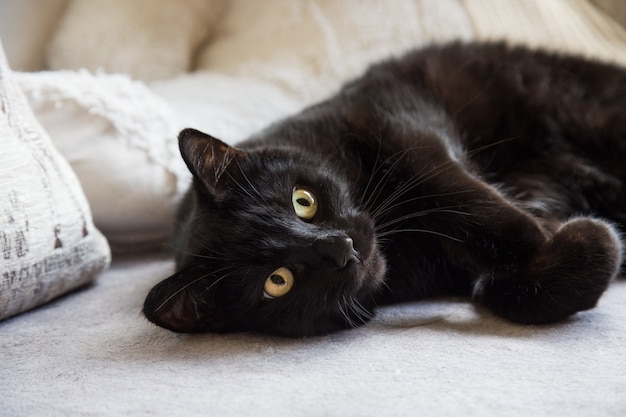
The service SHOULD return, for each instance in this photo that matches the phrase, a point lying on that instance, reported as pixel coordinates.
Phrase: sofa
(93, 93)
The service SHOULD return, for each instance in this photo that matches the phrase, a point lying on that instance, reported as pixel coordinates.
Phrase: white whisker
(184, 287)
(420, 214)
(396, 231)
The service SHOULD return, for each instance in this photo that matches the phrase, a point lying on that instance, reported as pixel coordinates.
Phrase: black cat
(476, 169)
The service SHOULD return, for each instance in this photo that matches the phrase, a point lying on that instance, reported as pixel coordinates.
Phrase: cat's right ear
(208, 158)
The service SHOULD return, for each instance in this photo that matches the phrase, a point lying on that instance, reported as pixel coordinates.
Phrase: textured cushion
(48, 242)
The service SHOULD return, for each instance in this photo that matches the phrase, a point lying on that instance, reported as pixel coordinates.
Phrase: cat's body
(462, 169)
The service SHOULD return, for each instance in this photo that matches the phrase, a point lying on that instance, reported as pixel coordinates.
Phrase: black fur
(474, 169)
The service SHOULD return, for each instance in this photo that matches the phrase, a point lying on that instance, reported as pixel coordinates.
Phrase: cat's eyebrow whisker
(256, 191)
(490, 145)
(184, 287)
(396, 231)
(417, 179)
(220, 257)
(375, 169)
(258, 195)
(414, 182)
(378, 165)
(375, 193)
(215, 251)
(421, 214)
(197, 255)
(389, 208)
(242, 188)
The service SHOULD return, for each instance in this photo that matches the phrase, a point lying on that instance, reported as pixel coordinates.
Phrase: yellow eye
(278, 283)
(304, 203)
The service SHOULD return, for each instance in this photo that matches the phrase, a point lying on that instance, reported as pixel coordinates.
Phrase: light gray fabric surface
(93, 354)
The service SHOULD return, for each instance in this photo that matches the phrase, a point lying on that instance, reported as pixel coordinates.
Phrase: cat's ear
(185, 303)
(207, 158)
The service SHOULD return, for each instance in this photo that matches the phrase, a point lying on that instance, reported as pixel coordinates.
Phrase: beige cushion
(574, 26)
(147, 39)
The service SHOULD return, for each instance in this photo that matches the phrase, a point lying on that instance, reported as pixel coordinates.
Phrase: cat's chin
(371, 272)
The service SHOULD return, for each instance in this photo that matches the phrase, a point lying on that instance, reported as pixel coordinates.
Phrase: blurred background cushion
(148, 40)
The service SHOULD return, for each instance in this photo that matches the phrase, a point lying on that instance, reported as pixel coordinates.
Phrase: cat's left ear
(207, 158)
(184, 303)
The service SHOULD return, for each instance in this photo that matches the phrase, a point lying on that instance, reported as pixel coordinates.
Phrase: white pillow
(121, 140)
(228, 107)
(48, 242)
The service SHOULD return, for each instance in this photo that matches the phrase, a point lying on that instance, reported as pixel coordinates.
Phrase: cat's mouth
(350, 255)
(367, 269)
(375, 267)
(355, 266)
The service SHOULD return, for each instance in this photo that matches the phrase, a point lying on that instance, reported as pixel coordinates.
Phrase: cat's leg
(569, 273)
(530, 270)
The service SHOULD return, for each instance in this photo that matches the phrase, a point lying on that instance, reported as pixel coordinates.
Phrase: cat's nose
(339, 250)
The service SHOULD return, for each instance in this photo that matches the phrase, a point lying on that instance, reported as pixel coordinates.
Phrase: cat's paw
(568, 274)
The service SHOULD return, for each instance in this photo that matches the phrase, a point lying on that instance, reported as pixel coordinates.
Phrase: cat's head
(270, 240)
